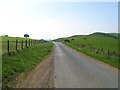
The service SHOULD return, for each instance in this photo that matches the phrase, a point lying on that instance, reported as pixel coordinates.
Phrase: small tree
(26, 35)
(5, 35)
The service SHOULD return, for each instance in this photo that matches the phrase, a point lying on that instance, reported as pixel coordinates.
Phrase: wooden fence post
(26, 43)
(109, 52)
(29, 43)
(34, 42)
(22, 44)
(8, 47)
(16, 45)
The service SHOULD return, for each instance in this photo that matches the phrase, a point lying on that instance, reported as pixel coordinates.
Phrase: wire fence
(99, 50)
(11, 47)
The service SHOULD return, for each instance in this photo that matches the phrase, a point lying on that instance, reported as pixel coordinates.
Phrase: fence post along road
(16, 46)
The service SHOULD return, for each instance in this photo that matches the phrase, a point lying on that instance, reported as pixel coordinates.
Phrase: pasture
(13, 44)
(98, 45)
(23, 61)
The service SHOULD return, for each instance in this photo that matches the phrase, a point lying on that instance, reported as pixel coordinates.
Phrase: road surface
(74, 70)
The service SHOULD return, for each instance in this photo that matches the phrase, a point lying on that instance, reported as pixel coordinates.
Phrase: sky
(52, 20)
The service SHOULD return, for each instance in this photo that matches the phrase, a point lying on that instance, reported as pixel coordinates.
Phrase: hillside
(102, 46)
(115, 34)
(12, 42)
(3, 38)
(22, 60)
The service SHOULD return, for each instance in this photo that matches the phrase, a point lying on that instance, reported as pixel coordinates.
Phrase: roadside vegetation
(101, 46)
(5, 38)
(23, 61)
(12, 41)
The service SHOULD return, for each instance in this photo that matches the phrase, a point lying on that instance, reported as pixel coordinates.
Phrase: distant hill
(114, 35)
(107, 41)
(4, 38)
(102, 46)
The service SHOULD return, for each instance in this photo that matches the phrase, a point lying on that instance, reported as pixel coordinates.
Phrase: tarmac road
(75, 70)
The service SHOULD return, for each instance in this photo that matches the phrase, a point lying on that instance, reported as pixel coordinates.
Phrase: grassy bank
(12, 43)
(3, 38)
(101, 46)
(23, 62)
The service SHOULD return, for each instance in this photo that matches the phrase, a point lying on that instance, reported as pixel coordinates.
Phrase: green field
(12, 41)
(23, 61)
(3, 38)
(101, 46)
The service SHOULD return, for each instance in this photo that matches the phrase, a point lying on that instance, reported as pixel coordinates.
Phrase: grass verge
(113, 61)
(23, 62)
